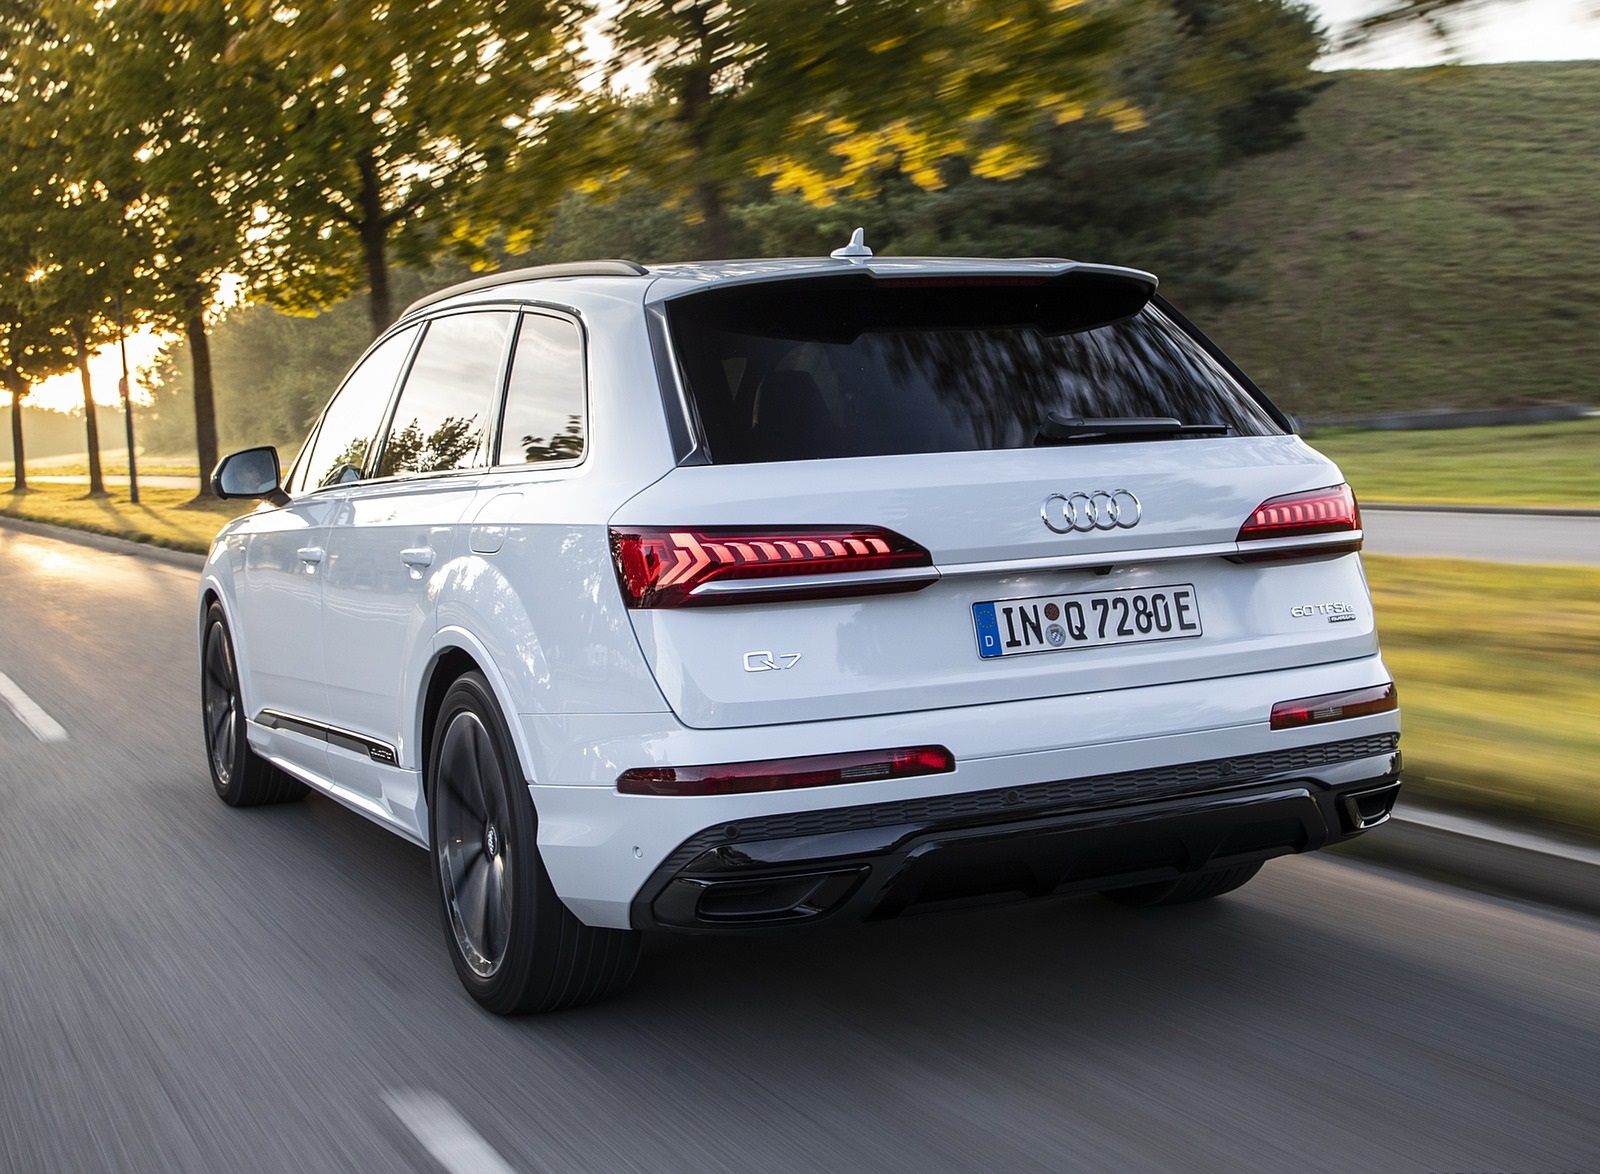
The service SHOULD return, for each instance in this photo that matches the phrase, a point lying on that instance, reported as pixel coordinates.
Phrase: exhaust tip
(1361, 810)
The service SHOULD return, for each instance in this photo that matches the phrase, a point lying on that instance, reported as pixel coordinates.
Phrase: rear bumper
(877, 861)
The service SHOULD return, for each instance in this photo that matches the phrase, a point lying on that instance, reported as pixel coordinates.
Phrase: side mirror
(250, 473)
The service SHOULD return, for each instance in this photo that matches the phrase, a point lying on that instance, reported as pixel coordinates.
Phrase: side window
(446, 407)
(351, 421)
(545, 414)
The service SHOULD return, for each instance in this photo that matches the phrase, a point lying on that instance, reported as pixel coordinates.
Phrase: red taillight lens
(1310, 711)
(783, 774)
(1303, 515)
(684, 567)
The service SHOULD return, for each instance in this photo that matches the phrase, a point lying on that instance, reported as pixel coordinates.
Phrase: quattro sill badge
(1103, 509)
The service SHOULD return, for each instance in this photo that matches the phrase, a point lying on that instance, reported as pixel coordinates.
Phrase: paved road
(1506, 538)
(184, 987)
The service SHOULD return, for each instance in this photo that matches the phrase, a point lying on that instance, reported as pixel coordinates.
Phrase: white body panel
(979, 516)
(600, 846)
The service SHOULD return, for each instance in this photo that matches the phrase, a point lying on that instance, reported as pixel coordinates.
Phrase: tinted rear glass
(812, 369)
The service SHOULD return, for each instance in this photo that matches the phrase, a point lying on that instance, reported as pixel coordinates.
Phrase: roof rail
(561, 269)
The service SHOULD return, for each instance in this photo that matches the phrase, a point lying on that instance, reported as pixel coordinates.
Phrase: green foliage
(1432, 243)
(1248, 66)
(273, 372)
(1523, 465)
(823, 97)
(634, 224)
(389, 114)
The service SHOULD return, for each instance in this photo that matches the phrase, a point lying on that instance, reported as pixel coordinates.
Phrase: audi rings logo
(1101, 510)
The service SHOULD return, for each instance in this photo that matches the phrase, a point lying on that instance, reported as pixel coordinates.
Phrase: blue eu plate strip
(988, 629)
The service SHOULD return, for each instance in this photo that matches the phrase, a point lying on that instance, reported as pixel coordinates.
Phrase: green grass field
(1498, 669)
(1432, 243)
(1525, 465)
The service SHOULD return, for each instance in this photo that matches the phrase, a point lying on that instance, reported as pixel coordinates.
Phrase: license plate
(1087, 619)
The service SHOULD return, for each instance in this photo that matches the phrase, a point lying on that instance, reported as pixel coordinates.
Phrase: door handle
(311, 554)
(417, 556)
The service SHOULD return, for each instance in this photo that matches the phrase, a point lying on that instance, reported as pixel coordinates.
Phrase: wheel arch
(456, 653)
(211, 593)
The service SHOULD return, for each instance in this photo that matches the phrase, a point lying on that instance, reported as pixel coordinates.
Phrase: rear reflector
(1330, 511)
(684, 567)
(1311, 711)
(783, 774)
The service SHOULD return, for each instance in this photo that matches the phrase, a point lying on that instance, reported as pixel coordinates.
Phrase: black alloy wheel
(477, 860)
(515, 946)
(242, 778)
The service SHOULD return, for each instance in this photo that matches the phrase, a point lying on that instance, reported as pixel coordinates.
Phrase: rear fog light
(783, 774)
(1311, 711)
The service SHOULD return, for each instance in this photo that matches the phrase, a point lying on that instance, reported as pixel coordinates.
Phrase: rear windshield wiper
(1058, 429)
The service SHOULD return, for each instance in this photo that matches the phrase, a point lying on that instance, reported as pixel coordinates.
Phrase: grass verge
(163, 517)
(158, 468)
(1550, 465)
(1499, 674)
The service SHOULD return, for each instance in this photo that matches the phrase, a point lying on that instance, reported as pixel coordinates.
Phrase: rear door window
(821, 368)
(447, 404)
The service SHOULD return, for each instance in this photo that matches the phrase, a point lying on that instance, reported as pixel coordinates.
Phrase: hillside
(1434, 241)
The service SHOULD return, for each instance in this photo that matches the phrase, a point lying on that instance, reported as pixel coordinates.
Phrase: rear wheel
(515, 946)
(1197, 886)
(241, 777)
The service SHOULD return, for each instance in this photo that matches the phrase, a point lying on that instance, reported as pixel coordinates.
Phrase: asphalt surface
(185, 987)
(1509, 537)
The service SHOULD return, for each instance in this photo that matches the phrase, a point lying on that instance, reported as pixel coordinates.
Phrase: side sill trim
(382, 752)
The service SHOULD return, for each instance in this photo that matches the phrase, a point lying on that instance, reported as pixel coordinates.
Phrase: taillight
(783, 774)
(1288, 521)
(1311, 711)
(684, 567)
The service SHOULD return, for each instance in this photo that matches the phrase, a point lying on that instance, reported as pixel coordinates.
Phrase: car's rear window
(811, 369)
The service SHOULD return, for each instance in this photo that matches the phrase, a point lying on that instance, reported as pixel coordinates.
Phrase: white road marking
(44, 727)
(445, 1134)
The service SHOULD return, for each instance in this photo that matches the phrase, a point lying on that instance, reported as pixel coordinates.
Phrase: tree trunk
(697, 111)
(374, 230)
(716, 229)
(205, 408)
(19, 388)
(91, 421)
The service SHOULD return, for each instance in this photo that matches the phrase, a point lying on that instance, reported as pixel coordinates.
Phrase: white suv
(778, 594)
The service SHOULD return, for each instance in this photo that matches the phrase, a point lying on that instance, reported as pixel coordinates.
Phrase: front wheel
(242, 778)
(1197, 886)
(515, 946)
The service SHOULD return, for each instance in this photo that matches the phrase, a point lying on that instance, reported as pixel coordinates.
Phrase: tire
(516, 948)
(1197, 886)
(242, 778)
